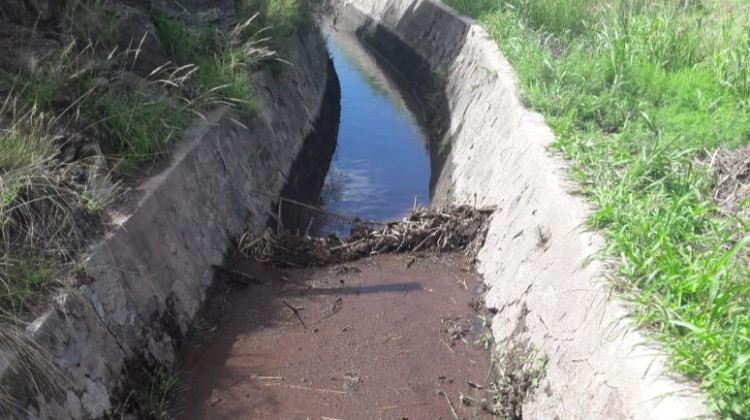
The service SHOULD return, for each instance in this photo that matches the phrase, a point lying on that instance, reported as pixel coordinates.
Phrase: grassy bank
(639, 94)
(96, 105)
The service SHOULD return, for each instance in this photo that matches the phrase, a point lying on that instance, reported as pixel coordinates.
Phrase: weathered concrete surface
(148, 279)
(486, 146)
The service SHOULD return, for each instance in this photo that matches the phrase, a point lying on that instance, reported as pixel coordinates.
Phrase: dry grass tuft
(32, 372)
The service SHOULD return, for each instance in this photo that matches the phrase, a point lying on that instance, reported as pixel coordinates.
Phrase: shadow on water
(307, 174)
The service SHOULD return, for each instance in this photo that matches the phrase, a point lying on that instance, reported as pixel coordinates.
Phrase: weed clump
(153, 398)
(521, 370)
(223, 61)
(46, 207)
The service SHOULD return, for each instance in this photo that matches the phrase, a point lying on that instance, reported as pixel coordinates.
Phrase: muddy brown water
(374, 339)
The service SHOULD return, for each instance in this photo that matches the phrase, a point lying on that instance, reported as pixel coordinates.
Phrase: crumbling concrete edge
(148, 279)
(537, 255)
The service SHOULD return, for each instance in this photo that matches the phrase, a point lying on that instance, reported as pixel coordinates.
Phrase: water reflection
(381, 163)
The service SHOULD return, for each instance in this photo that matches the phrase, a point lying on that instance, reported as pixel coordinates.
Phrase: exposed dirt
(391, 336)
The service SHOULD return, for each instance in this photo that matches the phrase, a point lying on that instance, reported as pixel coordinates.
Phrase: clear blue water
(381, 162)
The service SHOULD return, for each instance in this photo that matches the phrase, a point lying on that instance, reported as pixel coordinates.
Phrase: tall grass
(282, 18)
(224, 61)
(37, 211)
(153, 399)
(137, 123)
(84, 94)
(636, 91)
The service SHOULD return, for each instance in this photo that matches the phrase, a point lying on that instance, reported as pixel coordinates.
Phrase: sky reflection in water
(381, 162)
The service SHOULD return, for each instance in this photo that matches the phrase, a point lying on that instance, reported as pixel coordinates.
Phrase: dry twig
(296, 312)
(450, 404)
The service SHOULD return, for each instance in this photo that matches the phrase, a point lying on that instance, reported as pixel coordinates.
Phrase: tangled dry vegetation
(438, 230)
(731, 170)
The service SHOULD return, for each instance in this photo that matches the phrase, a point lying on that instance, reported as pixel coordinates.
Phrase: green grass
(636, 92)
(23, 145)
(21, 280)
(37, 211)
(280, 19)
(216, 69)
(138, 126)
(153, 400)
(141, 128)
(223, 61)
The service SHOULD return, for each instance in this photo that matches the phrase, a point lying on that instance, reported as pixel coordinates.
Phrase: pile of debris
(731, 169)
(438, 230)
